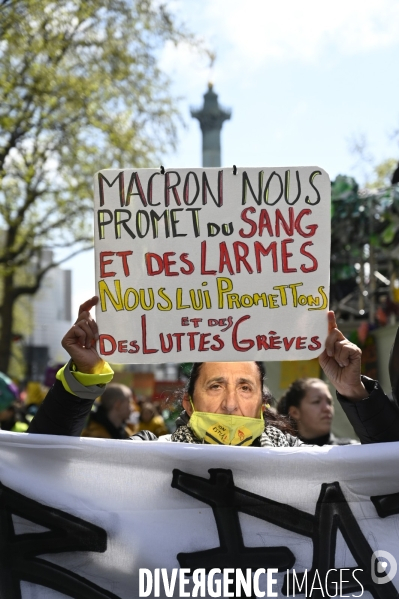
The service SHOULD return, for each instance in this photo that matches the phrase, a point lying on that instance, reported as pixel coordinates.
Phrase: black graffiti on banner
(386, 505)
(332, 514)
(19, 559)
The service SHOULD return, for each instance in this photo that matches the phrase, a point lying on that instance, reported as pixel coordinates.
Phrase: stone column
(211, 118)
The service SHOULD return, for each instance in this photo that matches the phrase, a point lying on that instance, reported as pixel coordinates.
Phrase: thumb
(332, 323)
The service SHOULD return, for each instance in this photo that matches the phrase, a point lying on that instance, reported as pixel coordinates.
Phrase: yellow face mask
(225, 429)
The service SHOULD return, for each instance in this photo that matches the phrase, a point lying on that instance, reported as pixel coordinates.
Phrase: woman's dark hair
(294, 395)
(280, 422)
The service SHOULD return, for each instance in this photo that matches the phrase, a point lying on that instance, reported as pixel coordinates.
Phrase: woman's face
(227, 388)
(315, 413)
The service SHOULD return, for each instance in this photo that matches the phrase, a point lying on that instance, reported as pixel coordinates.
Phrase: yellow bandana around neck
(226, 429)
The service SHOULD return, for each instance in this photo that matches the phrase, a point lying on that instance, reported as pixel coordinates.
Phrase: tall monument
(211, 118)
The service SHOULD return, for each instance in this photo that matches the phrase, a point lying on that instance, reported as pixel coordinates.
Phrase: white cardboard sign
(205, 264)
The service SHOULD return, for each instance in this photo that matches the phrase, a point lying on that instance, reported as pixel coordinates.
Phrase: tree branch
(32, 289)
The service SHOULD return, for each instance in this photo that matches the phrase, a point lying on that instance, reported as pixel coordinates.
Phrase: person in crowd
(11, 407)
(110, 419)
(225, 401)
(150, 420)
(309, 403)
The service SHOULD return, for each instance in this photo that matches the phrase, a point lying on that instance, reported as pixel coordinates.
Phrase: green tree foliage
(80, 90)
(364, 239)
(382, 174)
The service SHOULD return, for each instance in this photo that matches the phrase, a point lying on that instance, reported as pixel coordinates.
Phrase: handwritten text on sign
(202, 264)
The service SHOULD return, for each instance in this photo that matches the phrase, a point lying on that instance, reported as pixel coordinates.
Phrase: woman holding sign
(225, 401)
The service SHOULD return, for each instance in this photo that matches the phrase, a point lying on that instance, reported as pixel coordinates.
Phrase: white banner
(195, 264)
(86, 518)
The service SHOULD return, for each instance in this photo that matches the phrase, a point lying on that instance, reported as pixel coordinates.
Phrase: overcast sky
(304, 80)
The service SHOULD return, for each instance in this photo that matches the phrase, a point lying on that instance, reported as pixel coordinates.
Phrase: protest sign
(100, 519)
(212, 264)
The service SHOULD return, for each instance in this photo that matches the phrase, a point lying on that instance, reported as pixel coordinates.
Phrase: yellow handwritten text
(287, 295)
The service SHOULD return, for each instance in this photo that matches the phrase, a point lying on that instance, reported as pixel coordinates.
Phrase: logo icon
(383, 567)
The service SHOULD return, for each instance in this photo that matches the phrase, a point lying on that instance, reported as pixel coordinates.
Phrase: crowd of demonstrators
(110, 418)
(13, 412)
(310, 405)
(116, 415)
(225, 401)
